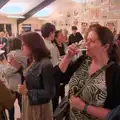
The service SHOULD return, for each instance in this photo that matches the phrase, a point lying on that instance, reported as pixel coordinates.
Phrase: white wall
(13, 22)
(85, 14)
(35, 23)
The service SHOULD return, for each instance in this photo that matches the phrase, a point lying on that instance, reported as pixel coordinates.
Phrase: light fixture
(41, 18)
(81, 1)
(13, 16)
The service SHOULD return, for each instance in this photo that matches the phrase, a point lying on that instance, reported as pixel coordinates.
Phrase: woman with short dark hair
(40, 89)
(60, 89)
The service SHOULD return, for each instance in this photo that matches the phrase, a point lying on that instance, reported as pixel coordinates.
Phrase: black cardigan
(112, 81)
(40, 81)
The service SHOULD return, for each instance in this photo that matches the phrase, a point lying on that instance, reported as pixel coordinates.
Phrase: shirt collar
(47, 41)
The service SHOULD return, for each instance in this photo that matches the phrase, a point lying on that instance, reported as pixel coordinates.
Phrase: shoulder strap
(101, 70)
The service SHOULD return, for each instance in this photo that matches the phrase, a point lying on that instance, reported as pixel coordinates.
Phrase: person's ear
(106, 46)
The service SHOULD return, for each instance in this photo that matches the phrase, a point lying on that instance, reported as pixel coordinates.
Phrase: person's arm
(64, 63)
(7, 70)
(71, 51)
(98, 112)
(66, 68)
(3, 45)
(7, 99)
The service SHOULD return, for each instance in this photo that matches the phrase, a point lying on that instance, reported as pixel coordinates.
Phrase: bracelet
(85, 108)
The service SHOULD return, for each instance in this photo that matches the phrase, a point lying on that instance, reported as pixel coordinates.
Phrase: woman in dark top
(117, 40)
(39, 88)
(59, 40)
(96, 78)
(60, 90)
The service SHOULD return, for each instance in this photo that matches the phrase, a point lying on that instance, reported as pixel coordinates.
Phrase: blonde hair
(2, 34)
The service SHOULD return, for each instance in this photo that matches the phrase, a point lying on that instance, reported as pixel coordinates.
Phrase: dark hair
(91, 27)
(94, 26)
(106, 37)
(118, 37)
(57, 33)
(74, 28)
(46, 29)
(14, 43)
(36, 44)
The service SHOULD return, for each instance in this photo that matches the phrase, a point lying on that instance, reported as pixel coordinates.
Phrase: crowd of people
(36, 68)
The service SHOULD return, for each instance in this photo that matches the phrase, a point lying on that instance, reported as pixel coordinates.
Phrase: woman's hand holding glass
(75, 49)
(72, 50)
(22, 89)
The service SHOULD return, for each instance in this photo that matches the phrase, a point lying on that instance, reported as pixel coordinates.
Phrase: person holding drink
(94, 79)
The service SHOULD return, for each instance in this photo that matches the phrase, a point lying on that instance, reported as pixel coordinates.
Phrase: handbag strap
(98, 72)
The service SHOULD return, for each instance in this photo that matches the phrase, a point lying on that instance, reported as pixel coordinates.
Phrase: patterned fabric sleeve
(6, 70)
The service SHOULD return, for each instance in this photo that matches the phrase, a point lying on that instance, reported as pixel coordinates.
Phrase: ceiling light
(13, 8)
(43, 18)
(44, 12)
(13, 16)
(81, 1)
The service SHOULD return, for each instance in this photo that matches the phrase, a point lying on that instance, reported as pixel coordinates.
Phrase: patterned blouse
(92, 89)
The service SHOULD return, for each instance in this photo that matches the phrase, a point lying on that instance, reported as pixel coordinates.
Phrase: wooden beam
(3, 2)
(34, 10)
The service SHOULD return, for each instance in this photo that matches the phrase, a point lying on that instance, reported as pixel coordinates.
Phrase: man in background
(75, 36)
(48, 33)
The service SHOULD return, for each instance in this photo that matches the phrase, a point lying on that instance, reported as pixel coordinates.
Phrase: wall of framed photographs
(103, 12)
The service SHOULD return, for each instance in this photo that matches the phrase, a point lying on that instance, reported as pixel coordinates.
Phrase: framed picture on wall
(84, 26)
(94, 22)
(26, 27)
(112, 25)
(68, 14)
(115, 2)
(76, 12)
(61, 23)
(54, 22)
(67, 23)
(76, 21)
